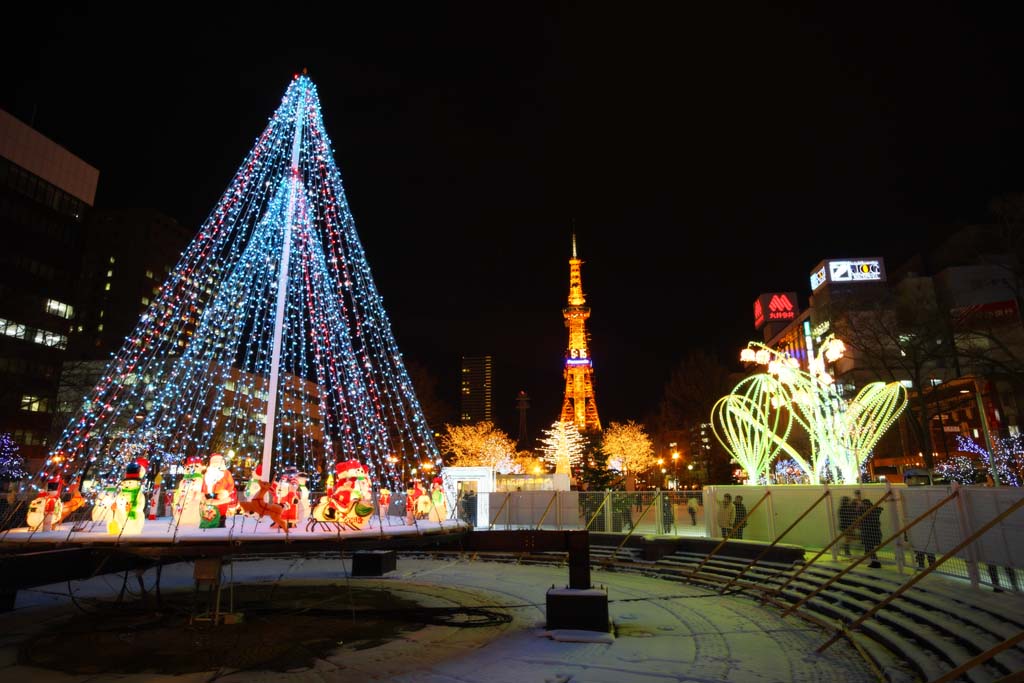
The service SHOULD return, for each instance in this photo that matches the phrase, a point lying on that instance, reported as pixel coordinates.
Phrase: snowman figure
(438, 506)
(44, 513)
(129, 509)
(303, 511)
(103, 507)
(188, 495)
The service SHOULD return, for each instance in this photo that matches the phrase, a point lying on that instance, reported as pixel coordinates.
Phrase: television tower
(579, 406)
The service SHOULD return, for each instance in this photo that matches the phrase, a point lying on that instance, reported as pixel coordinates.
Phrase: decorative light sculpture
(268, 338)
(748, 422)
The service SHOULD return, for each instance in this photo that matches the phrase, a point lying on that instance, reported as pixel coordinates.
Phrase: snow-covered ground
(662, 631)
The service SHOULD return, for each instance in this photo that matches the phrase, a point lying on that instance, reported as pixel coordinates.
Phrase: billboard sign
(844, 271)
(775, 307)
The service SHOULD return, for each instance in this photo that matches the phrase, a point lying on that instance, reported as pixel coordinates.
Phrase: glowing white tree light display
(563, 446)
(751, 424)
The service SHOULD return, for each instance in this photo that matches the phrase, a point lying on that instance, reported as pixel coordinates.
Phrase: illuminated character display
(303, 508)
(218, 493)
(44, 512)
(438, 507)
(129, 508)
(347, 504)
(103, 507)
(384, 502)
(286, 494)
(412, 498)
(75, 502)
(188, 495)
(252, 489)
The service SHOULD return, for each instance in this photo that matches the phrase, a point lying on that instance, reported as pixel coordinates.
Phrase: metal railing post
(498, 513)
(895, 521)
(965, 531)
(831, 509)
(546, 510)
(634, 526)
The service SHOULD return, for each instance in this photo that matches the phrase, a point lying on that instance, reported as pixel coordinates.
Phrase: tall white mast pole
(282, 289)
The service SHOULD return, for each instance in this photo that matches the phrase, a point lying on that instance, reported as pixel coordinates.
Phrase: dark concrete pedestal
(373, 562)
(584, 609)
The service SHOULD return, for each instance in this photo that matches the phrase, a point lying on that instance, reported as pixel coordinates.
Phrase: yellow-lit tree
(629, 450)
(480, 445)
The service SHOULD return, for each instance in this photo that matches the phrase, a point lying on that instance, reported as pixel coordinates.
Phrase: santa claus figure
(218, 493)
(438, 507)
(44, 512)
(129, 508)
(348, 503)
(188, 495)
(286, 494)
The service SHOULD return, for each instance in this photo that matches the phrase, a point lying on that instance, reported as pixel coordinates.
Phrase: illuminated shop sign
(848, 270)
(775, 307)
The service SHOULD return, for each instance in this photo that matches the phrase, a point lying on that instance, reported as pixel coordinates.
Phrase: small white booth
(467, 491)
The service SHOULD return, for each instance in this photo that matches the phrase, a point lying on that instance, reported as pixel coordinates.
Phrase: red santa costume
(219, 486)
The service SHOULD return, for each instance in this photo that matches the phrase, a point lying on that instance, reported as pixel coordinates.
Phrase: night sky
(704, 156)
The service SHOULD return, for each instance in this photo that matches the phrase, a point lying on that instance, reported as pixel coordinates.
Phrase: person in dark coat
(847, 514)
(668, 517)
(741, 514)
(871, 532)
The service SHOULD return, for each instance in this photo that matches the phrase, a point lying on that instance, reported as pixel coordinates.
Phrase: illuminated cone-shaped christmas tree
(268, 342)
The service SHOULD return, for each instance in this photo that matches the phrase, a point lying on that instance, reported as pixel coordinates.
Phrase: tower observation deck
(579, 405)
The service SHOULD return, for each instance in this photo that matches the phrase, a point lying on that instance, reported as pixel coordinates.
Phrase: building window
(47, 338)
(110, 273)
(106, 287)
(145, 301)
(60, 309)
(34, 404)
(9, 329)
(99, 328)
(111, 259)
(149, 274)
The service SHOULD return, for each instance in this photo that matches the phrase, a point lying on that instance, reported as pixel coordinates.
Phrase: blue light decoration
(194, 375)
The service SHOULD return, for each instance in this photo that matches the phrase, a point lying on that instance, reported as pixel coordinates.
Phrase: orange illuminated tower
(579, 405)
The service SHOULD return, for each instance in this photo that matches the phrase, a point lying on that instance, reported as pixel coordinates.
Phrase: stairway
(924, 633)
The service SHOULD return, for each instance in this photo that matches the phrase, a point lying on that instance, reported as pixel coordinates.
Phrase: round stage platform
(238, 530)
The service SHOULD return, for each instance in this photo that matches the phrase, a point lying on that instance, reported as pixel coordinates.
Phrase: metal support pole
(983, 418)
(282, 291)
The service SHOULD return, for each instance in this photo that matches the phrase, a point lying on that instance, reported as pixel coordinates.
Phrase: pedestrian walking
(871, 531)
(726, 515)
(847, 514)
(691, 507)
(741, 516)
(668, 517)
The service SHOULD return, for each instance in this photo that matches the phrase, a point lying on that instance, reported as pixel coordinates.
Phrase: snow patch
(568, 635)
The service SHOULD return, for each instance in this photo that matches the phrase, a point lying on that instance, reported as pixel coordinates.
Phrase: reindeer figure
(257, 507)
